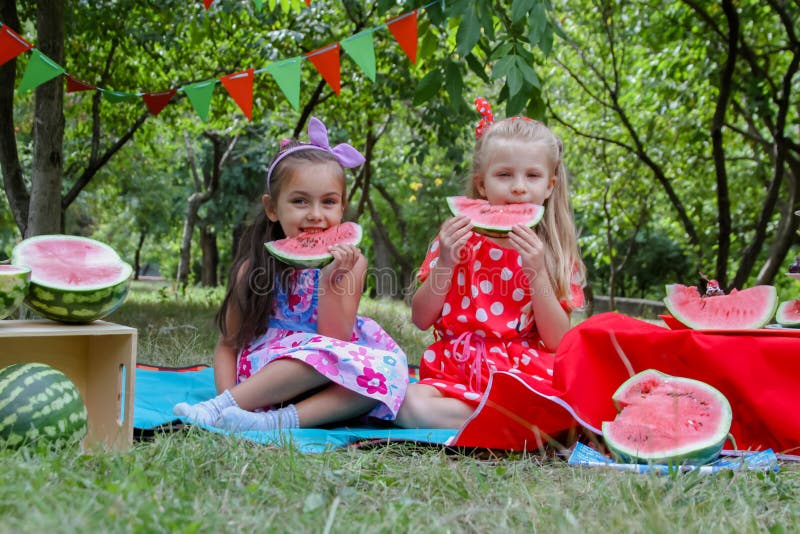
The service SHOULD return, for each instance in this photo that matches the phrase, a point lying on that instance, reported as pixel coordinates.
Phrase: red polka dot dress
(486, 323)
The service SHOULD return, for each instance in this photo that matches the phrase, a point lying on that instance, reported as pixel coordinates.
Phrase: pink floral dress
(370, 364)
(486, 323)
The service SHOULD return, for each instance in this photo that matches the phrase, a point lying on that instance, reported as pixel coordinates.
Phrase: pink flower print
(372, 381)
(315, 339)
(324, 362)
(360, 355)
(340, 344)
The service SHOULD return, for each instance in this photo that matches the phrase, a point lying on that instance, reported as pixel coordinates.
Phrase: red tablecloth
(758, 371)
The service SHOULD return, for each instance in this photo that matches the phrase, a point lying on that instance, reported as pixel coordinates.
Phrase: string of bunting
(239, 85)
(259, 3)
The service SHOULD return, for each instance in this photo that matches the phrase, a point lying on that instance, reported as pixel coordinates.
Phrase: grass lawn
(201, 482)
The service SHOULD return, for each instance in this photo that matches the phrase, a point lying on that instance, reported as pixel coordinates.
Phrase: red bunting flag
(75, 85)
(240, 87)
(326, 59)
(404, 29)
(157, 101)
(308, 3)
(11, 44)
(208, 3)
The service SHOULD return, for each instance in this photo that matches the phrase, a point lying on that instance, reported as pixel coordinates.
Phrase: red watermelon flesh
(310, 249)
(495, 219)
(749, 308)
(76, 263)
(667, 419)
(788, 313)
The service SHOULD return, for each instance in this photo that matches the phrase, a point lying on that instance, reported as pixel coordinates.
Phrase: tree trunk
(208, 245)
(13, 182)
(186, 240)
(44, 213)
(138, 255)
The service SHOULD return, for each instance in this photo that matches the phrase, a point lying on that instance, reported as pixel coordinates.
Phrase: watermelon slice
(667, 420)
(14, 282)
(749, 308)
(310, 249)
(492, 220)
(73, 279)
(788, 313)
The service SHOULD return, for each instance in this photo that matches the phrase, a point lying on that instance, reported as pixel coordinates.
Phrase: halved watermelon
(494, 220)
(739, 310)
(310, 249)
(73, 279)
(14, 282)
(667, 420)
(788, 313)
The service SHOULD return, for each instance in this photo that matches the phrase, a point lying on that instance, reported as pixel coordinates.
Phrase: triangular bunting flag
(240, 87)
(40, 69)
(200, 96)
(208, 3)
(11, 44)
(404, 29)
(326, 59)
(157, 101)
(308, 3)
(75, 85)
(259, 4)
(115, 97)
(287, 76)
(361, 48)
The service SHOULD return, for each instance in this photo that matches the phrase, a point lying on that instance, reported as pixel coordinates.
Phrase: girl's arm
(225, 352)
(428, 300)
(224, 365)
(552, 322)
(341, 285)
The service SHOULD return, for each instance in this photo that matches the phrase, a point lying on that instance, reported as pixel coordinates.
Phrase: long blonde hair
(557, 227)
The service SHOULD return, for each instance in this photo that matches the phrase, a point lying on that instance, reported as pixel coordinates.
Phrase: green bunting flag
(115, 97)
(200, 96)
(40, 69)
(287, 75)
(258, 4)
(361, 48)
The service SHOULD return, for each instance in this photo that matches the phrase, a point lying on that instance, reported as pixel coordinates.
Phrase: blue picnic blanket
(158, 390)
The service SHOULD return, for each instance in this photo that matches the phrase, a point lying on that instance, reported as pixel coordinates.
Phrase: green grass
(201, 482)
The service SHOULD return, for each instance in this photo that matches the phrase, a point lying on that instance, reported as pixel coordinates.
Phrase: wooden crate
(100, 358)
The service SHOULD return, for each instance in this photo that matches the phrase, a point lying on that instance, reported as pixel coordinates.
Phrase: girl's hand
(345, 258)
(453, 235)
(531, 250)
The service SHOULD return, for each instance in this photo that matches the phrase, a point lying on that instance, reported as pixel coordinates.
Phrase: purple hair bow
(347, 156)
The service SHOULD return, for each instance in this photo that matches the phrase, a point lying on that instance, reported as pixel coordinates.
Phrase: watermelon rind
(74, 304)
(14, 283)
(745, 309)
(281, 248)
(39, 404)
(700, 452)
(461, 205)
(788, 313)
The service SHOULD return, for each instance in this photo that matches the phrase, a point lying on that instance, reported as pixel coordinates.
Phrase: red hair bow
(483, 107)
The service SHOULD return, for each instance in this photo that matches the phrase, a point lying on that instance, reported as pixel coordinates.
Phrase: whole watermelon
(39, 404)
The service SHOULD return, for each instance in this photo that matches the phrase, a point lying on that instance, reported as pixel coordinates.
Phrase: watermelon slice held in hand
(310, 249)
(666, 419)
(750, 308)
(495, 220)
(73, 279)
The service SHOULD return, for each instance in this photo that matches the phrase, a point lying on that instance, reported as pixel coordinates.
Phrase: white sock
(206, 412)
(235, 419)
